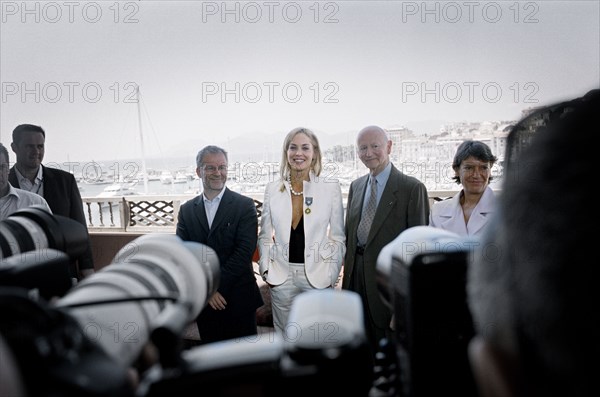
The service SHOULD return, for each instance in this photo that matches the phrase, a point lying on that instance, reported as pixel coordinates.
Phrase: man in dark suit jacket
(402, 202)
(226, 222)
(58, 187)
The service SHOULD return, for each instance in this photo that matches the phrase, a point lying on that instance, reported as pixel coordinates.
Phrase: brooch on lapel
(308, 201)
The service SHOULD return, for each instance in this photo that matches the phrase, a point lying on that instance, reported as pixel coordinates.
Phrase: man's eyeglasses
(212, 168)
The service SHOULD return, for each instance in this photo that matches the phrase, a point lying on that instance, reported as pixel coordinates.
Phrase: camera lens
(34, 228)
(161, 268)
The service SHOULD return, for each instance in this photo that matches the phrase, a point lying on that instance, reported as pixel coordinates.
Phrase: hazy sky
(215, 72)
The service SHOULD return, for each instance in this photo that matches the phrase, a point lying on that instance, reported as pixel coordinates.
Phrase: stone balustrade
(148, 214)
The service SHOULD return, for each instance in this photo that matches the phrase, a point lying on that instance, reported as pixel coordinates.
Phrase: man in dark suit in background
(399, 202)
(58, 187)
(226, 222)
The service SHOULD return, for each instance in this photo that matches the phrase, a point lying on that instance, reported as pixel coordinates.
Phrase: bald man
(400, 202)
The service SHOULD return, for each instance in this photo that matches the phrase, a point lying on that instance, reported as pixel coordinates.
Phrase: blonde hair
(316, 165)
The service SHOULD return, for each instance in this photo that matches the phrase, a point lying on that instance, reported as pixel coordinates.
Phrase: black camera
(92, 340)
(422, 275)
(34, 229)
(31, 237)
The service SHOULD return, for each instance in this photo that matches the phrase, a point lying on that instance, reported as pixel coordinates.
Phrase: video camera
(422, 277)
(94, 339)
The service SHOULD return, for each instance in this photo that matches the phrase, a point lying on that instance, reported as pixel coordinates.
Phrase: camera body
(325, 351)
(53, 355)
(423, 274)
(32, 237)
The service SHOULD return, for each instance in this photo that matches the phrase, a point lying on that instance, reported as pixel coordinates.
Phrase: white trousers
(282, 296)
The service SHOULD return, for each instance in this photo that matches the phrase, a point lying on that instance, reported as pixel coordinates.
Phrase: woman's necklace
(295, 193)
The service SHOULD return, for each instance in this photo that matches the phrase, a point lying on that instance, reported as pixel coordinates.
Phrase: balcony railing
(147, 214)
(132, 213)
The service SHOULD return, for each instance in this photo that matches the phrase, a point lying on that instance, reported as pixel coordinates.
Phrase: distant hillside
(261, 146)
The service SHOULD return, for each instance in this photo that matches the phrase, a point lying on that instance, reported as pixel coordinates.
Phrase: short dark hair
(21, 129)
(210, 149)
(477, 149)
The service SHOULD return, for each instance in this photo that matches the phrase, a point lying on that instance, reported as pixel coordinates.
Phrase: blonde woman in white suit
(301, 239)
(470, 210)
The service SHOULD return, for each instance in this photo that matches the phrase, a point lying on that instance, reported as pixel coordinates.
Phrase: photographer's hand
(217, 302)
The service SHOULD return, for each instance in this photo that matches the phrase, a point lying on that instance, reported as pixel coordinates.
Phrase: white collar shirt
(17, 199)
(211, 206)
(36, 187)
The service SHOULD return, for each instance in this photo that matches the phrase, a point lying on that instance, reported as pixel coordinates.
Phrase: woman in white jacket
(469, 211)
(301, 239)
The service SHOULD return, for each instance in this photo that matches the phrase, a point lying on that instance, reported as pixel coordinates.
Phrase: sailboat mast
(144, 171)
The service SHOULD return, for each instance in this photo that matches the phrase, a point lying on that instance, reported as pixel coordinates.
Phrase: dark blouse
(297, 243)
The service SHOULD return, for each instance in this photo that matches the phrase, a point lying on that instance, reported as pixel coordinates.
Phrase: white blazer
(323, 232)
(448, 214)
